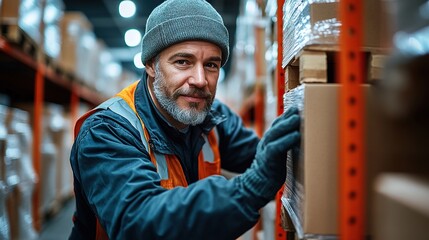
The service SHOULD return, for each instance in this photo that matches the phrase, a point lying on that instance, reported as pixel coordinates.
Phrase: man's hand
(268, 171)
(282, 136)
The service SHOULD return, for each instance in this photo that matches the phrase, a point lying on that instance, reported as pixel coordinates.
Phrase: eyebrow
(215, 59)
(188, 55)
(184, 55)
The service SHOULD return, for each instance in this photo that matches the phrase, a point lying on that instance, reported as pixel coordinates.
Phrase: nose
(198, 78)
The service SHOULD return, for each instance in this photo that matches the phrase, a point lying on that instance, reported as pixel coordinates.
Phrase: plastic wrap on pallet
(77, 44)
(13, 155)
(301, 27)
(30, 12)
(59, 129)
(109, 74)
(3, 137)
(294, 98)
(66, 175)
(4, 219)
(271, 8)
(293, 196)
(20, 126)
(56, 179)
(48, 178)
(242, 73)
(17, 15)
(53, 13)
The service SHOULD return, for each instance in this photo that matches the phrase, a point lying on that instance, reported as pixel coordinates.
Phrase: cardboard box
(291, 77)
(77, 43)
(392, 145)
(401, 208)
(311, 196)
(52, 31)
(21, 14)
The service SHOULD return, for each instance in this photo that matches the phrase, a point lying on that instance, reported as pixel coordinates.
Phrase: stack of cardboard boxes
(65, 42)
(17, 177)
(21, 23)
(395, 167)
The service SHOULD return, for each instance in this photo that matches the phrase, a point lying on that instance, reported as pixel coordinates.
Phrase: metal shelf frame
(32, 80)
(351, 108)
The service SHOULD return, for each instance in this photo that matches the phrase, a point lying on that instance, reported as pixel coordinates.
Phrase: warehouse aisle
(59, 227)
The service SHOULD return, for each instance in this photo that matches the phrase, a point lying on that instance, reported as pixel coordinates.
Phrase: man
(146, 163)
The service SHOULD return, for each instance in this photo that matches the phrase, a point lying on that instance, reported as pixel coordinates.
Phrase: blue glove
(268, 171)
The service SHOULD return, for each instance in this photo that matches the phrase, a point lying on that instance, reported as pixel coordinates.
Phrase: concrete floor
(59, 226)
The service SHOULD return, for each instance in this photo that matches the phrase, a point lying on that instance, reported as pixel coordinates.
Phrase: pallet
(19, 38)
(317, 64)
(55, 68)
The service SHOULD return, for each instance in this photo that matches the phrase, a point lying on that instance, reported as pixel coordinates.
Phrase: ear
(150, 68)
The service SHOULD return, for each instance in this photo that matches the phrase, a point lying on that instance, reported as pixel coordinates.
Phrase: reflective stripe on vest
(207, 151)
(161, 166)
(120, 107)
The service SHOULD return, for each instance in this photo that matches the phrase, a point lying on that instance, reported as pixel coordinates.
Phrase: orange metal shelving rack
(351, 109)
(37, 140)
(41, 77)
(280, 233)
(351, 123)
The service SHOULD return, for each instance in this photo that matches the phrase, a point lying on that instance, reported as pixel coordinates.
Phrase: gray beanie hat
(176, 21)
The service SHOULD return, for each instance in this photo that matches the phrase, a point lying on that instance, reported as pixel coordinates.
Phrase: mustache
(194, 92)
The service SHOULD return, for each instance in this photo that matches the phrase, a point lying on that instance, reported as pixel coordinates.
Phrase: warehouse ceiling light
(132, 37)
(127, 9)
(138, 61)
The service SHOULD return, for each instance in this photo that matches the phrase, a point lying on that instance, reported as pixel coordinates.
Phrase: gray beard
(190, 116)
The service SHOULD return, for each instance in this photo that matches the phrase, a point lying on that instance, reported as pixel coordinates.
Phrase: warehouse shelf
(18, 73)
(28, 78)
(382, 120)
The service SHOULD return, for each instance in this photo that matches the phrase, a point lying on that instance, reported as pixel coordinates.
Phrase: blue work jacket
(116, 182)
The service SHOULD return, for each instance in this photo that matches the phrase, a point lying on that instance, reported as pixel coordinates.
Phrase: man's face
(185, 78)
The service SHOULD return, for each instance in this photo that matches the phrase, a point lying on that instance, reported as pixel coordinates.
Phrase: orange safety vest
(168, 166)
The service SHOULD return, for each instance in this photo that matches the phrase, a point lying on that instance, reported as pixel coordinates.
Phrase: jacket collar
(162, 134)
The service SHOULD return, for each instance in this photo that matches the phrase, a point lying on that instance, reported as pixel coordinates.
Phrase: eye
(212, 66)
(182, 62)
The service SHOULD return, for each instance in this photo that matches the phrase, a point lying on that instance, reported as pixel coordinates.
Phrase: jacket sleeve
(237, 143)
(123, 189)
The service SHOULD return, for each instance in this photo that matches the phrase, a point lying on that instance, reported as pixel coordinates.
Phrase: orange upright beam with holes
(260, 73)
(37, 133)
(74, 105)
(280, 233)
(351, 156)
